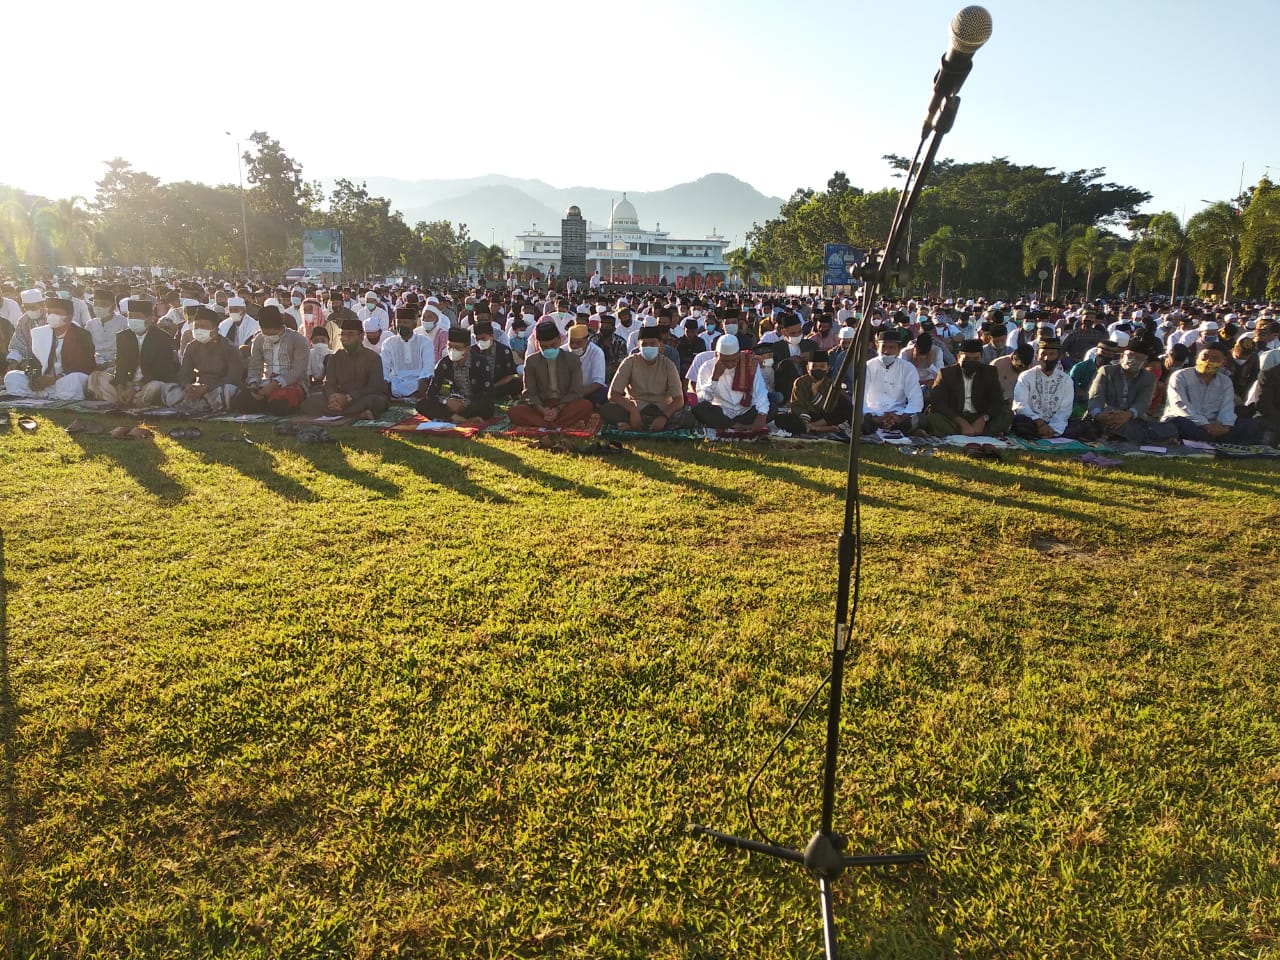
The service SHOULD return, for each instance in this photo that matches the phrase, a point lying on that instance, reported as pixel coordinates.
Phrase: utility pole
(244, 216)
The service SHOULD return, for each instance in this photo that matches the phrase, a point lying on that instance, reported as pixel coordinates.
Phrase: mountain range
(499, 207)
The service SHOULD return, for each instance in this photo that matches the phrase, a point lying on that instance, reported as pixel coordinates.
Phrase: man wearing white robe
(893, 399)
(408, 360)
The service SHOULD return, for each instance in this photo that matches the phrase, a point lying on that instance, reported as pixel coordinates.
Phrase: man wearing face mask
(967, 398)
(373, 315)
(460, 391)
(212, 368)
(1043, 396)
(495, 363)
(892, 399)
(33, 315)
(294, 310)
(553, 394)
(408, 360)
(146, 364)
(238, 328)
(353, 385)
(1200, 402)
(594, 380)
(276, 372)
(791, 352)
(807, 415)
(61, 358)
(105, 327)
(1120, 396)
(645, 393)
(611, 345)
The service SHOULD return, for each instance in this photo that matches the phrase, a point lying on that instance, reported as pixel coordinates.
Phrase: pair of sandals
(305, 434)
(562, 444)
(78, 426)
(983, 451)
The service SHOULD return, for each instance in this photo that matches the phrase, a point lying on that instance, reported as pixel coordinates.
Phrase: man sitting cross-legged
(731, 392)
(1120, 396)
(276, 373)
(146, 364)
(353, 382)
(553, 388)
(1043, 396)
(59, 360)
(645, 393)
(967, 398)
(1200, 402)
(807, 413)
(461, 390)
(893, 399)
(212, 370)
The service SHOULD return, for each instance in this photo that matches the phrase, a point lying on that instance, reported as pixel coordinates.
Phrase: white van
(303, 275)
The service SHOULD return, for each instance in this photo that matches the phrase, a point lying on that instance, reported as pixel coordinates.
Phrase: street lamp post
(244, 216)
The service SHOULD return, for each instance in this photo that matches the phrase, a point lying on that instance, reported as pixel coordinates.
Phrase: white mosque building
(623, 252)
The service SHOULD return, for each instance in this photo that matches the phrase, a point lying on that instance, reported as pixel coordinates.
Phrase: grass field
(453, 699)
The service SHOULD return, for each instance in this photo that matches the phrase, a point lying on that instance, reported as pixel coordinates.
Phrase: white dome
(624, 215)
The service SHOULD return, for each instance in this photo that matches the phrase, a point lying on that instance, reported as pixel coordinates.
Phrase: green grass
(409, 698)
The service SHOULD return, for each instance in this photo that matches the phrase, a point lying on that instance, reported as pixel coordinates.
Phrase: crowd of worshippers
(1142, 372)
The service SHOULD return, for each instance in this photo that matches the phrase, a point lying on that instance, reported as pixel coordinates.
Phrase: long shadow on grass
(332, 458)
(500, 456)
(645, 461)
(8, 785)
(424, 462)
(769, 469)
(140, 459)
(254, 461)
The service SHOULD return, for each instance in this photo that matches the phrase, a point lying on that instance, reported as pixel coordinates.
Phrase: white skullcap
(1120, 339)
(371, 324)
(1209, 326)
(847, 333)
(32, 296)
(235, 302)
(727, 345)
(584, 309)
(271, 302)
(188, 302)
(433, 299)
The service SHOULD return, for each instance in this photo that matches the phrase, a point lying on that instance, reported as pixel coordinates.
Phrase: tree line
(994, 227)
(135, 220)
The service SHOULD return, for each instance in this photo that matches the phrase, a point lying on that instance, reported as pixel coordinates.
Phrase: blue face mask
(649, 353)
(519, 342)
(551, 352)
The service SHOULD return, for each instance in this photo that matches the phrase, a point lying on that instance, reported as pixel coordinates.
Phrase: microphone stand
(824, 856)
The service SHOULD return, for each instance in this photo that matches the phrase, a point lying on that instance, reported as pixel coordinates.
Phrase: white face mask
(889, 361)
(767, 362)
(296, 301)
(428, 324)
(793, 340)
(484, 344)
(58, 321)
(1130, 364)
(34, 314)
(138, 325)
(455, 354)
(102, 313)
(579, 351)
(271, 338)
(202, 334)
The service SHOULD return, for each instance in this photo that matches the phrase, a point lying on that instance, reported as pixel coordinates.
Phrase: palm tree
(743, 264)
(1213, 236)
(1089, 252)
(1260, 242)
(1050, 243)
(491, 260)
(1134, 264)
(1169, 240)
(941, 247)
(67, 225)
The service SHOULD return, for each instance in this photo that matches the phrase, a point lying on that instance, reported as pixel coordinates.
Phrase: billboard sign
(837, 258)
(322, 250)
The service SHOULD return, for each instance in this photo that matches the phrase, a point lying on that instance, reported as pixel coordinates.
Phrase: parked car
(302, 275)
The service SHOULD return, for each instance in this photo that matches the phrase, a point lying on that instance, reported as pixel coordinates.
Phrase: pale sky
(1171, 97)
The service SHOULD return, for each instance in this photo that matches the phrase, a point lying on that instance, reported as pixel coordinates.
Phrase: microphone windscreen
(970, 29)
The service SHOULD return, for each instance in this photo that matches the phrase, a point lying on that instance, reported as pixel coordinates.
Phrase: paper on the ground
(1147, 448)
(1197, 445)
(332, 418)
(960, 440)
(1058, 440)
(436, 425)
(251, 417)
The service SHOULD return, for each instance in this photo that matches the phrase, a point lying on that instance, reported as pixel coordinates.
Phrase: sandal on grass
(28, 425)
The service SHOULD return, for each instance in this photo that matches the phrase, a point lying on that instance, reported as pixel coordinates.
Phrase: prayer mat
(418, 425)
(1243, 450)
(1059, 445)
(34, 403)
(248, 418)
(393, 415)
(732, 433)
(505, 428)
(160, 413)
(680, 433)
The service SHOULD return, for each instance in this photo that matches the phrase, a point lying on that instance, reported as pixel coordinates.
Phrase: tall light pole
(244, 216)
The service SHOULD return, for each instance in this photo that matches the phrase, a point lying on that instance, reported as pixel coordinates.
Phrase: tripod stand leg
(828, 920)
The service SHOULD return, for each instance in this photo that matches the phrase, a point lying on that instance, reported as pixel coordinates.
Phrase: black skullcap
(104, 293)
(350, 322)
(59, 305)
(204, 313)
(482, 327)
(547, 330)
(1050, 343)
(971, 346)
(650, 333)
(819, 356)
(886, 333)
(269, 318)
(459, 335)
(406, 313)
(139, 305)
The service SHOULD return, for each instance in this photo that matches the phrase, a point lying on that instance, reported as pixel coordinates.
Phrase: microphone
(970, 29)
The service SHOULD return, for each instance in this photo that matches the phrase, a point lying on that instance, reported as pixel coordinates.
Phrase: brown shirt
(656, 383)
(354, 372)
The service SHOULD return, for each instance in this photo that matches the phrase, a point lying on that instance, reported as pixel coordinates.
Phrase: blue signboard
(837, 258)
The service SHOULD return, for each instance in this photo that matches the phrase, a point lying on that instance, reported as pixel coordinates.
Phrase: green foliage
(1047, 245)
(1088, 254)
(1260, 239)
(943, 247)
(1132, 269)
(356, 700)
(994, 204)
(1213, 241)
(1169, 240)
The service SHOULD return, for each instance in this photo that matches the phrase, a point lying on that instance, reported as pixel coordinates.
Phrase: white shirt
(378, 314)
(104, 337)
(892, 389)
(248, 328)
(593, 365)
(698, 362)
(720, 392)
(315, 363)
(1047, 397)
(415, 359)
(10, 310)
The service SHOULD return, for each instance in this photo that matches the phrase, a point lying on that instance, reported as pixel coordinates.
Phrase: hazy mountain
(500, 207)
